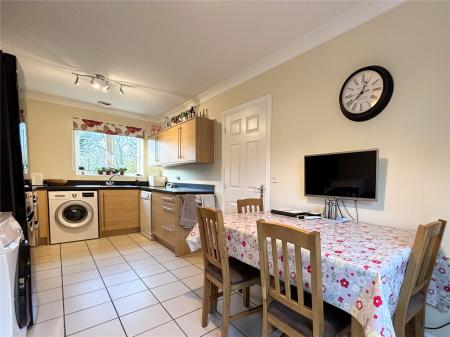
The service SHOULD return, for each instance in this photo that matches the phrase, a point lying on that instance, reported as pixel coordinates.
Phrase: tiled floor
(124, 285)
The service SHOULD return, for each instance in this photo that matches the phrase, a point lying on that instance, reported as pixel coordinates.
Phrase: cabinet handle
(168, 209)
(166, 198)
(167, 228)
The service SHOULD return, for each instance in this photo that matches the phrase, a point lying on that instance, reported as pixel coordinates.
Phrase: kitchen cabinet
(118, 211)
(190, 142)
(43, 217)
(166, 211)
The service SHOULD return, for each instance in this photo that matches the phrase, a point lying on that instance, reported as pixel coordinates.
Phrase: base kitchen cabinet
(118, 211)
(43, 217)
(166, 211)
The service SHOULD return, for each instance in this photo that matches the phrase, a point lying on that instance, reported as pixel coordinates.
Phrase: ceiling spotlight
(77, 80)
(95, 84)
(106, 87)
(121, 89)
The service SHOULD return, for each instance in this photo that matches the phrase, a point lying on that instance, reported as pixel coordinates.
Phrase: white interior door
(245, 152)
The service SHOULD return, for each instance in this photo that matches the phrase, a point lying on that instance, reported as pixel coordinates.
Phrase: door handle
(260, 189)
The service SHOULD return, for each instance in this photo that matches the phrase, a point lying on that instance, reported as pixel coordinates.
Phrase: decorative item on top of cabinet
(166, 212)
(118, 212)
(190, 142)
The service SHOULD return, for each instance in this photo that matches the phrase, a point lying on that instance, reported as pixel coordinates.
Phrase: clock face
(362, 91)
(366, 93)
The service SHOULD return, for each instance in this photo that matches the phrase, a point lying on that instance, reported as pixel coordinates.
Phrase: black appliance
(351, 175)
(12, 184)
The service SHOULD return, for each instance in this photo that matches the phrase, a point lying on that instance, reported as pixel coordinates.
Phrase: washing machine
(73, 215)
(15, 279)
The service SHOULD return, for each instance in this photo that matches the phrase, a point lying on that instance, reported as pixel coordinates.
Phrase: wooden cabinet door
(119, 211)
(187, 141)
(168, 146)
(153, 150)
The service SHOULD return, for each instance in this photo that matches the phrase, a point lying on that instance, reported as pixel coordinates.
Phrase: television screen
(351, 175)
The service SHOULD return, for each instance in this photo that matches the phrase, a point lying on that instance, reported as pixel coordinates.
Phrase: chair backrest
(212, 238)
(420, 265)
(250, 205)
(298, 240)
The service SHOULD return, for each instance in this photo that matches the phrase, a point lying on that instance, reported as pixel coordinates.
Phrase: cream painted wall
(412, 133)
(51, 138)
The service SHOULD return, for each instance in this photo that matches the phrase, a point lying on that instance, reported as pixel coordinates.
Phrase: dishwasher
(146, 214)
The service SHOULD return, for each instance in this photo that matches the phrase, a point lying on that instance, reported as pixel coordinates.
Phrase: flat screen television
(350, 175)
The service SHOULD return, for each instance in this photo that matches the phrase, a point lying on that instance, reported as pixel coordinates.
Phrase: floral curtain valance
(108, 128)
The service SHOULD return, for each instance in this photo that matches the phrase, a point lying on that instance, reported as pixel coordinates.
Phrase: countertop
(180, 188)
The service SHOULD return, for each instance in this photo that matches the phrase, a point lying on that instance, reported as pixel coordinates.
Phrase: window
(94, 150)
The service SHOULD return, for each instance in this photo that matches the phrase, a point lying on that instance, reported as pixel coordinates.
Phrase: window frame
(109, 154)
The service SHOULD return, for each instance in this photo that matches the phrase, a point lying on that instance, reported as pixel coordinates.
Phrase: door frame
(264, 99)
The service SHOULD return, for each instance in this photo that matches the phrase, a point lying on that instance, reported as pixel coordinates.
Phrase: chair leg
(213, 302)
(206, 301)
(226, 310)
(265, 323)
(246, 297)
(419, 328)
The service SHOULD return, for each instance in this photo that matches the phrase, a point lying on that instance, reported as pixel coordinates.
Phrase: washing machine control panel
(88, 194)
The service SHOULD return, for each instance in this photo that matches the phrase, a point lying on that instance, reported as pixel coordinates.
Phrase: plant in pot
(81, 169)
(101, 170)
(184, 115)
(114, 170)
(108, 171)
(122, 170)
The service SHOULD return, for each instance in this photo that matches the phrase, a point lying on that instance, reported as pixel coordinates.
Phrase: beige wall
(412, 133)
(51, 137)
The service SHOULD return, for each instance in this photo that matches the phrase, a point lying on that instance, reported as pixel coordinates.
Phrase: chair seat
(335, 319)
(239, 272)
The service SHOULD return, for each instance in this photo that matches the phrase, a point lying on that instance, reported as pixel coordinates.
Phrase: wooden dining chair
(221, 271)
(413, 293)
(301, 315)
(250, 205)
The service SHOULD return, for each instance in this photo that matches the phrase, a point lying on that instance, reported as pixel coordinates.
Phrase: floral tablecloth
(363, 264)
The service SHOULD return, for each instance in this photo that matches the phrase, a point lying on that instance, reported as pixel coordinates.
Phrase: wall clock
(366, 93)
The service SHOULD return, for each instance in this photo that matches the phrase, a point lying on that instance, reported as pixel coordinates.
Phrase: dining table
(363, 265)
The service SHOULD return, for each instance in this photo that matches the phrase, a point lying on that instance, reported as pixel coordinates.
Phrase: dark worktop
(179, 188)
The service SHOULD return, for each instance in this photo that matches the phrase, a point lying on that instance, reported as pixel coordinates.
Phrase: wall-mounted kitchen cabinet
(190, 142)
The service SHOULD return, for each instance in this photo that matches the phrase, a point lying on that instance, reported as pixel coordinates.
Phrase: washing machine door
(74, 214)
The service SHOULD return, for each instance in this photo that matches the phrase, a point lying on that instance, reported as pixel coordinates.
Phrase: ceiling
(173, 50)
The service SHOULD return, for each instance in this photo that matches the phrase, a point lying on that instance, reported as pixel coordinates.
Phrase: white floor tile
(35, 267)
(120, 278)
(188, 271)
(174, 264)
(148, 261)
(159, 279)
(50, 283)
(76, 260)
(46, 259)
(251, 325)
(53, 328)
(194, 282)
(150, 270)
(134, 302)
(232, 332)
(145, 319)
(47, 311)
(109, 262)
(167, 257)
(157, 251)
(126, 289)
(136, 256)
(80, 277)
(192, 323)
(171, 290)
(114, 269)
(46, 274)
(107, 255)
(108, 329)
(183, 304)
(76, 268)
(169, 329)
(132, 251)
(87, 318)
(83, 287)
(47, 296)
(84, 301)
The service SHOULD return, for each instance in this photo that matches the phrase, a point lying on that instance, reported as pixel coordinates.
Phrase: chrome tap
(110, 182)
